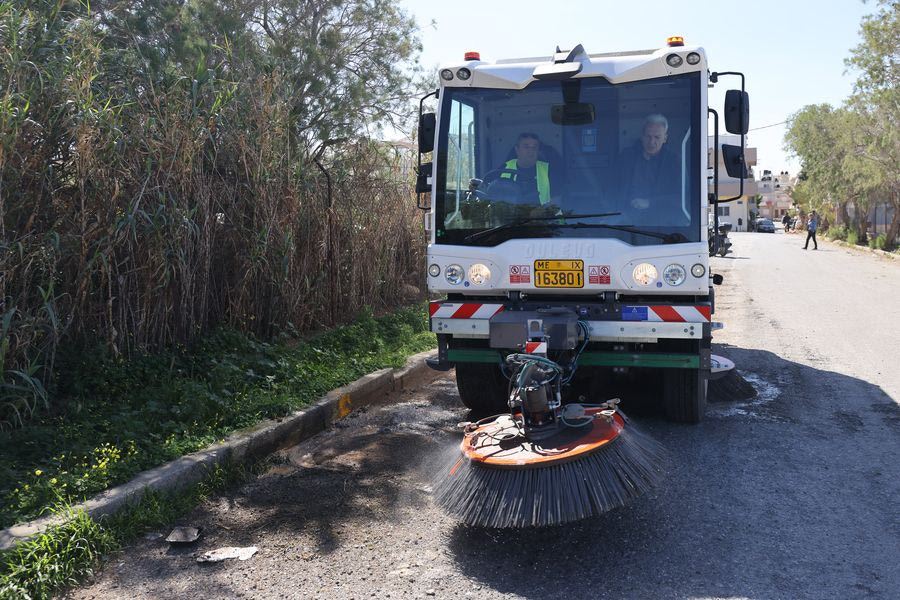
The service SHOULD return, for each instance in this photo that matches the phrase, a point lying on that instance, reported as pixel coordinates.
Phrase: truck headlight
(645, 274)
(674, 274)
(698, 270)
(674, 61)
(434, 270)
(454, 274)
(479, 274)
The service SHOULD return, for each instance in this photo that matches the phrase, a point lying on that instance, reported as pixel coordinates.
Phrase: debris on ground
(733, 387)
(220, 554)
(183, 535)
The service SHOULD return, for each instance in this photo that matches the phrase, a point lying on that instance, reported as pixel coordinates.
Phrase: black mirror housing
(422, 185)
(737, 112)
(733, 157)
(427, 125)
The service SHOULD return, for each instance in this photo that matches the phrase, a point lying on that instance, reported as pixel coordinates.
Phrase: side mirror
(422, 185)
(737, 112)
(733, 157)
(427, 125)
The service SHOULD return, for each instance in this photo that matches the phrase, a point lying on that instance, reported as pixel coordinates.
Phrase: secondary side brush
(546, 463)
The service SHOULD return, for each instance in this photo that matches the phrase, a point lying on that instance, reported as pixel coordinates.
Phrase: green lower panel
(592, 359)
(473, 355)
(626, 359)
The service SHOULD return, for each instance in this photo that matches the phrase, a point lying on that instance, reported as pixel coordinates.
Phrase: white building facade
(775, 191)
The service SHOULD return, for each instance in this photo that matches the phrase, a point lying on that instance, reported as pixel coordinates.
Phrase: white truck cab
(569, 206)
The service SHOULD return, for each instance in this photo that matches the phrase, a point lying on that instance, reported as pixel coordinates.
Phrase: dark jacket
(663, 174)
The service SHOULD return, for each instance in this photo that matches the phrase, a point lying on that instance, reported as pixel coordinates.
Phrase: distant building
(736, 212)
(775, 191)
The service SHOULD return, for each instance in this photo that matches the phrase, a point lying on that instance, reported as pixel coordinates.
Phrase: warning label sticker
(598, 274)
(519, 273)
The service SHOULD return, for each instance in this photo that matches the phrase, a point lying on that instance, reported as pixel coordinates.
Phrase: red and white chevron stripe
(464, 310)
(536, 347)
(679, 314)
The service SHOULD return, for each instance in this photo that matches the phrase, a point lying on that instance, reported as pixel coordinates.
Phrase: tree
(877, 100)
(346, 67)
(814, 136)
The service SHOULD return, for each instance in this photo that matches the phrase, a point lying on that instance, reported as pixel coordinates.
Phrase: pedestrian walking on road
(811, 227)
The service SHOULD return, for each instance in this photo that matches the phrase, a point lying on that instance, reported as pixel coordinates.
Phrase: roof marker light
(675, 40)
(473, 56)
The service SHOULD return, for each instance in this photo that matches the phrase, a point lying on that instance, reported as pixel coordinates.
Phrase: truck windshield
(510, 159)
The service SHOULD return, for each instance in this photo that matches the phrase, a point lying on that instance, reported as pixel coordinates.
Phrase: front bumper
(628, 323)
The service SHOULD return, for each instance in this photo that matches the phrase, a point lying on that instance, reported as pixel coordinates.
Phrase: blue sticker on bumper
(634, 313)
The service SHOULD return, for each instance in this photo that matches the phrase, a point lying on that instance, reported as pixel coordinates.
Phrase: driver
(534, 177)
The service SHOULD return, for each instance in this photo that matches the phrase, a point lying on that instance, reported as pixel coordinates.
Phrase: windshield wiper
(519, 222)
(668, 238)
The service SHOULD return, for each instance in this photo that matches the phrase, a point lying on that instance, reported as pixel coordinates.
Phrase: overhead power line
(767, 126)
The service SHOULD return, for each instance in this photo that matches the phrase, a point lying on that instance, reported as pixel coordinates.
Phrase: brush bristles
(482, 496)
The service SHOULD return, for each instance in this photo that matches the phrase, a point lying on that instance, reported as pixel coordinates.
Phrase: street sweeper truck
(566, 203)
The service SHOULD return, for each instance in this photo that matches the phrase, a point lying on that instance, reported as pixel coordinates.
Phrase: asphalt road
(793, 494)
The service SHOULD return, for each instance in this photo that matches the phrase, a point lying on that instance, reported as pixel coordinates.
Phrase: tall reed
(143, 204)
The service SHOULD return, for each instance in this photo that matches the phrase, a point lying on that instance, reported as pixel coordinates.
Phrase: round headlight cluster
(693, 58)
(674, 60)
(698, 270)
(434, 270)
(462, 73)
(454, 274)
(674, 274)
(479, 274)
(645, 274)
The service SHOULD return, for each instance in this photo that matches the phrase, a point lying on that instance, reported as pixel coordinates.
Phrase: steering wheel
(504, 189)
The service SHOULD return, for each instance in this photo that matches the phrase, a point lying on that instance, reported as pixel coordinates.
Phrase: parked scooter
(718, 241)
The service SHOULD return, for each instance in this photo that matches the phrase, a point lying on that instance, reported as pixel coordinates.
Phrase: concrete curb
(244, 445)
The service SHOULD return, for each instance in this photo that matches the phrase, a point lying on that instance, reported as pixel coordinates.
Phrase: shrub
(852, 237)
(837, 233)
(880, 242)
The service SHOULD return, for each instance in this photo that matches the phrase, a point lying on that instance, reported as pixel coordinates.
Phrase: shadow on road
(789, 494)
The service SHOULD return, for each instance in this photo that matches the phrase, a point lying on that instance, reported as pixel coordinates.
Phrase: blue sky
(791, 51)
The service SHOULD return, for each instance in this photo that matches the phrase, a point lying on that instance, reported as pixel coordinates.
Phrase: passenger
(649, 172)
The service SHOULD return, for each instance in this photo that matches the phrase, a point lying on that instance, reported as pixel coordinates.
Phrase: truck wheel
(482, 388)
(684, 395)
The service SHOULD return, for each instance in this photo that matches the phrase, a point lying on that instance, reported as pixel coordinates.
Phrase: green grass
(65, 555)
(125, 417)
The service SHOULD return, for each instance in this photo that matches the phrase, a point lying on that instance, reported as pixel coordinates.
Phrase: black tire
(482, 388)
(684, 395)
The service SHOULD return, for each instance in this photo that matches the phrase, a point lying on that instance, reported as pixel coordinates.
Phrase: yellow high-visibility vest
(542, 174)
